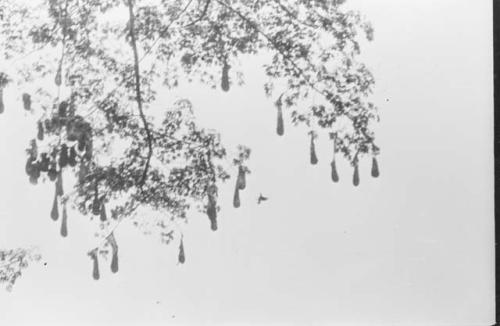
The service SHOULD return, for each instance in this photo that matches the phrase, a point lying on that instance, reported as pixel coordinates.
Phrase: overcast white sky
(412, 247)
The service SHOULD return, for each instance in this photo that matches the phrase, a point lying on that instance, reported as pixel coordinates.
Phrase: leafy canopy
(92, 70)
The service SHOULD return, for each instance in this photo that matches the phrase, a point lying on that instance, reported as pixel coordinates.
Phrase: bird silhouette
(261, 199)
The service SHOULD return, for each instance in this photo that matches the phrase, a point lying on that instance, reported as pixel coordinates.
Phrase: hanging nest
(44, 162)
(103, 215)
(81, 143)
(334, 174)
(241, 183)
(27, 101)
(236, 196)
(52, 172)
(114, 248)
(212, 215)
(181, 257)
(72, 156)
(33, 150)
(40, 134)
(63, 109)
(72, 105)
(114, 261)
(83, 171)
(64, 222)
(88, 150)
(59, 184)
(54, 212)
(34, 176)
(312, 149)
(32, 169)
(375, 171)
(95, 266)
(4, 80)
(355, 177)
(29, 165)
(225, 76)
(280, 127)
(96, 205)
(212, 206)
(2, 105)
(58, 77)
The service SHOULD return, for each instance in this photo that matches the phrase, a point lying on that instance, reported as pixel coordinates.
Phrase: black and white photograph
(247, 162)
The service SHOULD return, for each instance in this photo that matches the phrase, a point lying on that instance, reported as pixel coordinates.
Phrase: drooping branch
(133, 43)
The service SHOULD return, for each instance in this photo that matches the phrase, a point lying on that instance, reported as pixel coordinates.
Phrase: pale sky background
(412, 247)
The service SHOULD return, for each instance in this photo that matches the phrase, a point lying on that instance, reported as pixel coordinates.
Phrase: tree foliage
(93, 69)
(12, 263)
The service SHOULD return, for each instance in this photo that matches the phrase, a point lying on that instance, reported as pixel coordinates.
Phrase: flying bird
(261, 199)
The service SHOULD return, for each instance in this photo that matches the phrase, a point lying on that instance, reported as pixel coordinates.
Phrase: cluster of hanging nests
(78, 148)
(280, 130)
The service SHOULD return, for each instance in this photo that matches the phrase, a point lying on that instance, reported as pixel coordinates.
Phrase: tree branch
(133, 43)
(148, 51)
